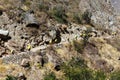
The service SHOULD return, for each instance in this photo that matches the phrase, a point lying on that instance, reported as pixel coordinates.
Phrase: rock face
(4, 19)
(103, 14)
(42, 35)
(25, 63)
(4, 33)
(116, 5)
(30, 20)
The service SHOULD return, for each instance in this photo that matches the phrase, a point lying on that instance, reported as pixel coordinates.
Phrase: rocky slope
(38, 37)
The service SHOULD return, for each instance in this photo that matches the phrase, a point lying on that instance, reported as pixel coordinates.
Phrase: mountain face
(59, 39)
(115, 4)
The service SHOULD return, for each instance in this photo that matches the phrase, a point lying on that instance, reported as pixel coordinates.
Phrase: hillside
(59, 40)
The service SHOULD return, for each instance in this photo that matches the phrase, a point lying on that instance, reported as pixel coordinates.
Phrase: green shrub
(77, 70)
(43, 6)
(50, 76)
(99, 75)
(58, 13)
(77, 62)
(84, 18)
(78, 74)
(77, 18)
(79, 46)
(115, 76)
(10, 77)
(87, 17)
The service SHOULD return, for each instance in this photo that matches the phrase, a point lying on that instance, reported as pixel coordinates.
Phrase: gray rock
(16, 59)
(100, 15)
(100, 19)
(4, 19)
(46, 38)
(84, 5)
(52, 34)
(38, 49)
(4, 32)
(16, 46)
(25, 63)
(53, 57)
(30, 20)
(116, 5)
(38, 59)
(21, 76)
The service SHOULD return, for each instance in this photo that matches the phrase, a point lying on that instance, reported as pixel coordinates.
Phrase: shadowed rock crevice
(1, 12)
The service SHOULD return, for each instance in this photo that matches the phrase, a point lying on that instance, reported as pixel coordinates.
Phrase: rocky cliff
(59, 40)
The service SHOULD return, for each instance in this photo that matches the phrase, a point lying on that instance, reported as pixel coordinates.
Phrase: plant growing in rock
(77, 18)
(99, 75)
(74, 70)
(87, 17)
(77, 70)
(10, 77)
(43, 6)
(58, 13)
(79, 46)
(115, 76)
(50, 76)
(86, 35)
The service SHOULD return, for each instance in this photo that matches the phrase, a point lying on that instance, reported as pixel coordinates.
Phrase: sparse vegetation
(79, 46)
(77, 70)
(43, 7)
(10, 77)
(86, 35)
(115, 76)
(50, 76)
(86, 16)
(77, 18)
(58, 13)
(99, 75)
(27, 2)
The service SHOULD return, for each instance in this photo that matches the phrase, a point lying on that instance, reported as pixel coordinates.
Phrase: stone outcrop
(37, 37)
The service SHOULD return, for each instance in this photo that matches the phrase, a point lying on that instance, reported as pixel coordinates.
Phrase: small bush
(99, 75)
(87, 17)
(77, 18)
(78, 62)
(77, 70)
(115, 76)
(50, 76)
(58, 13)
(43, 6)
(78, 74)
(79, 46)
(10, 77)
(84, 18)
